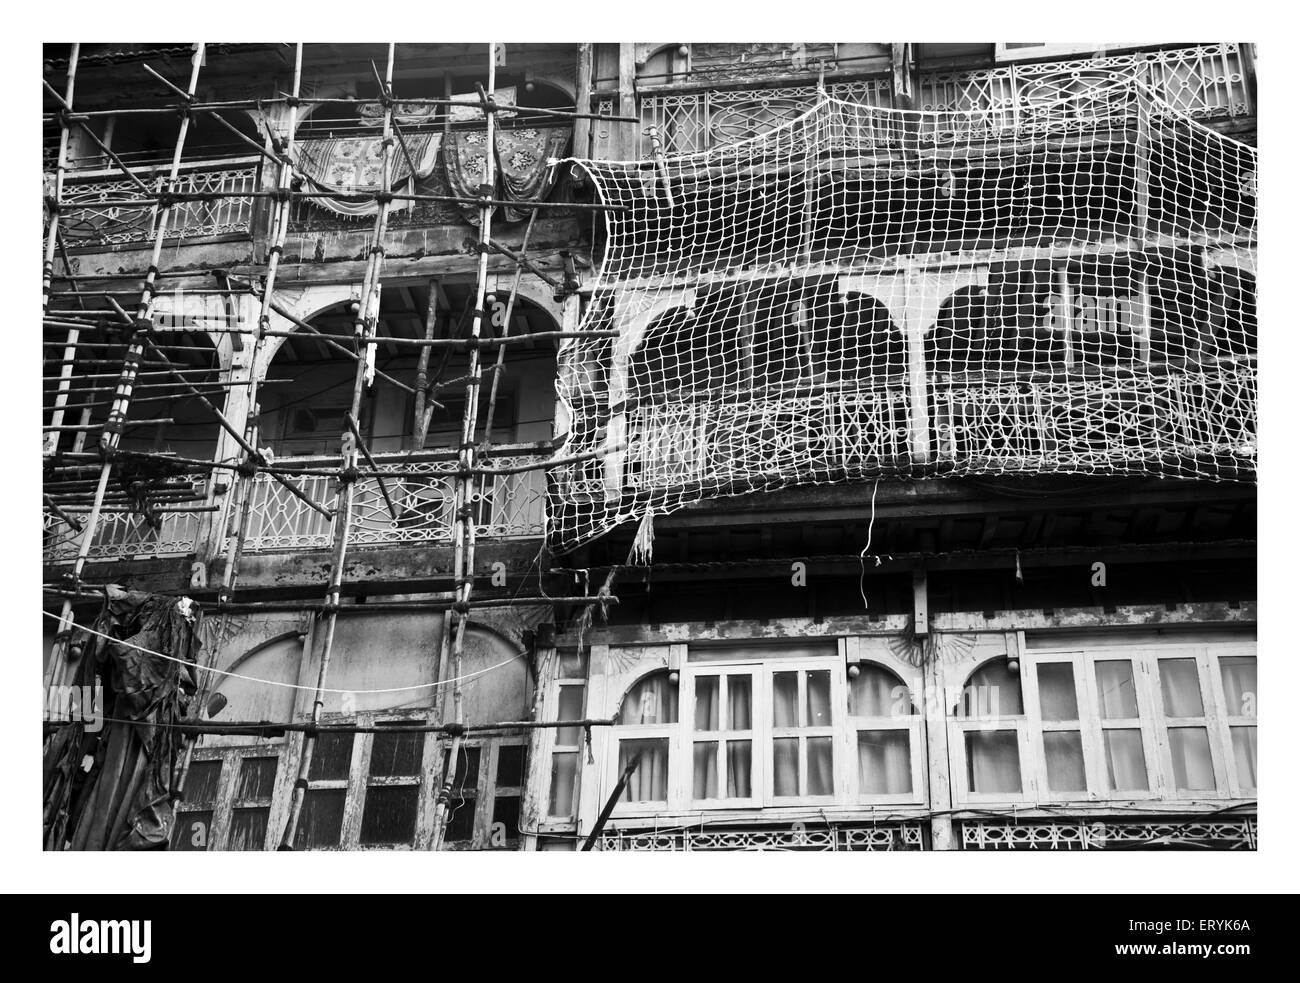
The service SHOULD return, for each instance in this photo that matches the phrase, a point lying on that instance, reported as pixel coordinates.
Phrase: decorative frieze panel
(1234, 834)
(792, 838)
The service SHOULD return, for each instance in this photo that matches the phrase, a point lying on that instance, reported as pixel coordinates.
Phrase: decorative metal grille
(506, 507)
(88, 221)
(1207, 81)
(121, 535)
(792, 838)
(1081, 835)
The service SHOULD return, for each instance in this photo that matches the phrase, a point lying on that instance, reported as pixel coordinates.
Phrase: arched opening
(309, 384)
(860, 343)
(992, 693)
(150, 138)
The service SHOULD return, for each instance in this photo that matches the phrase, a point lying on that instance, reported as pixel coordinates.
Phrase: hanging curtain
(1056, 694)
(1063, 754)
(1239, 685)
(1126, 765)
(649, 783)
(522, 156)
(740, 769)
(992, 691)
(739, 703)
(705, 781)
(521, 172)
(993, 761)
(877, 692)
(884, 762)
(651, 701)
(706, 703)
(354, 165)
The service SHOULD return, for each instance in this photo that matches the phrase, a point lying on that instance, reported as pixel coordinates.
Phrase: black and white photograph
(692, 447)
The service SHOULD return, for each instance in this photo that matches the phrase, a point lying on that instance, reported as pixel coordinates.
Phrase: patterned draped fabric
(355, 165)
(521, 157)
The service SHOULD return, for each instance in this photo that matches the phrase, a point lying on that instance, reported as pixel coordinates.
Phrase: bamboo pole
(463, 534)
(111, 435)
(366, 329)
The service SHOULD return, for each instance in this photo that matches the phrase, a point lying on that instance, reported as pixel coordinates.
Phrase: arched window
(886, 724)
(993, 728)
(646, 716)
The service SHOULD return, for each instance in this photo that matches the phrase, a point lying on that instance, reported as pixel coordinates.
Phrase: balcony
(507, 507)
(93, 215)
(1206, 82)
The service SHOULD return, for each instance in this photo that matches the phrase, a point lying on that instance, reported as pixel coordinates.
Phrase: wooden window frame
(1152, 723)
(549, 745)
(226, 800)
(686, 719)
(912, 723)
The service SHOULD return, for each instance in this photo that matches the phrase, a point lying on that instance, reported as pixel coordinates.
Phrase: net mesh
(864, 292)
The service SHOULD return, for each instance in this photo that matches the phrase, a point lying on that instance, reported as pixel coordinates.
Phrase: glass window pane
(1126, 762)
(877, 692)
(1239, 682)
(739, 702)
(649, 782)
(706, 702)
(1057, 699)
(1181, 685)
(819, 699)
(460, 819)
(1190, 749)
(570, 708)
(193, 830)
(201, 783)
(248, 829)
(1115, 691)
(321, 822)
(395, 754)
(564, 770)
(389, 814)
(740, 769)
(785, 699)
(510, 765)
(992, 690)
(505, 818)
(1063, 751)
(651, 701)
(331, 756)
(884, 762)
(705, 785)
(993, 761)
(821, 773)
(256, 780)
(466, 777)
(785, 764)
(1245, 748)
(573, 665)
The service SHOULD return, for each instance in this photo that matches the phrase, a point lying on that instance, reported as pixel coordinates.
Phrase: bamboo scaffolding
(463, 531)
(365, 328)
(111, 434)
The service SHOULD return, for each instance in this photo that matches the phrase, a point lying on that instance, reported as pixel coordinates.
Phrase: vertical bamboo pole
(463, 535)
(366, 329)
(111, 436)
(245, 486)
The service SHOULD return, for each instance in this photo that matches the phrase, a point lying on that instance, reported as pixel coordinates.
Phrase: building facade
(809, 573)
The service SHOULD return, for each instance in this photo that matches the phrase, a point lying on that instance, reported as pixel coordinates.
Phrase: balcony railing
(90, 217)
(506, 507)
(1207, 81)
(126, 535)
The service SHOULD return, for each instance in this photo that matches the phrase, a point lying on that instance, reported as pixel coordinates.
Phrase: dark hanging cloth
(111, 789)
(522, 171)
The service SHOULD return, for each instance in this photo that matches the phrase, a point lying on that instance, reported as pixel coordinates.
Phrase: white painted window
(1102, 721)
(566, 742)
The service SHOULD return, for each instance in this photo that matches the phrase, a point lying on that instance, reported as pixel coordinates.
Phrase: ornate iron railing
(124, 535)
(91, 219)
(1206, 81)
(505, 507)
(1080, 834)
(792, 838)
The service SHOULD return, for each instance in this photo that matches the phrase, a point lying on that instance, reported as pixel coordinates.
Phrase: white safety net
(863, 293)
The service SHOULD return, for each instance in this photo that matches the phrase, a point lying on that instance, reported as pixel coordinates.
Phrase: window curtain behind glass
(1239, 682)
(649, 783)
(884, 762)
(1115, 692)
(993, 761)
(992, 691)
(874, 693)
(651, 701)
